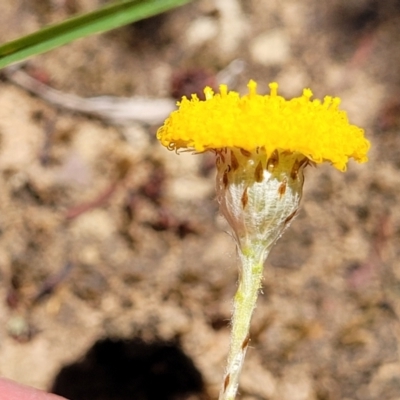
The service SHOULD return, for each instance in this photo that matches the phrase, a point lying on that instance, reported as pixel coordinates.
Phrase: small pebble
(270, 48)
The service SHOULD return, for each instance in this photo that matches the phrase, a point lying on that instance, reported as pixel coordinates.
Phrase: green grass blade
(104, 19)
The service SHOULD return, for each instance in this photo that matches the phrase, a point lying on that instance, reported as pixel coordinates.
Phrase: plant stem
(244, 304)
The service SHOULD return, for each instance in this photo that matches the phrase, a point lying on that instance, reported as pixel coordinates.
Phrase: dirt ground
(116, 271)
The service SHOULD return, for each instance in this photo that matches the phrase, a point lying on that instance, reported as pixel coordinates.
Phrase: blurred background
(116, 270)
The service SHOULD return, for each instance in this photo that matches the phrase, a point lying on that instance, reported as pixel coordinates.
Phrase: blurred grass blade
(104, 19)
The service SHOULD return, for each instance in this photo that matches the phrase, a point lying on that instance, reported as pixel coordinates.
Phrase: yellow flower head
(318, 130)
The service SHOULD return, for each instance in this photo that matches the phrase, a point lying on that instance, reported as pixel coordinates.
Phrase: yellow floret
(319, 130)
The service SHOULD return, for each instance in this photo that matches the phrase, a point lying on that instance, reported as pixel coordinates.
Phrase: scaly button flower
(262, 145)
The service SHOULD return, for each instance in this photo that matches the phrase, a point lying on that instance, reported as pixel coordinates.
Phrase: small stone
(258, 381)
(201, 31)
(233, 27)
(296, 384)
(270, 48)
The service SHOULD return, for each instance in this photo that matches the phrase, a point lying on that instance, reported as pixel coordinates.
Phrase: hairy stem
(244, 304)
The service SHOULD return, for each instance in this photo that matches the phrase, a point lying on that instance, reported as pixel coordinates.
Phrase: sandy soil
(116, 271)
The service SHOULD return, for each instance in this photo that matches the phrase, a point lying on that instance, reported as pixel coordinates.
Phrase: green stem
(244, 304)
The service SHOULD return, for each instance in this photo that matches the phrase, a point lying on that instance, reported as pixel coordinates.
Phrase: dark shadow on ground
(131, 369)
